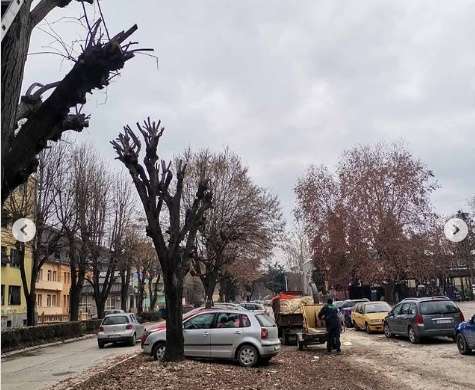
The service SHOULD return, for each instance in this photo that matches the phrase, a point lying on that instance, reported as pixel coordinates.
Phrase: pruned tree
(243, 224)
(176, 245)
(36, 199)
(274, 277)
(100, 59)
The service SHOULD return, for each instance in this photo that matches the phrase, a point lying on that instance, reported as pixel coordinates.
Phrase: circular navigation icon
(24, 229)
(455, 229)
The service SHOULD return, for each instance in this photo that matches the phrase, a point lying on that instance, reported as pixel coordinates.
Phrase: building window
(64, 300)
(48, 300)
(5, 258)
(9, 323)
(40, 275)
(54, 276)
(3, 294)
(39, 300)
(16, 257)
(14, 293)
(49, 275)
(64, 277)
(54, 300)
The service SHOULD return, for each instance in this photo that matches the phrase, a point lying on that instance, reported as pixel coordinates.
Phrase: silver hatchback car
(244, 336)
(121, 327)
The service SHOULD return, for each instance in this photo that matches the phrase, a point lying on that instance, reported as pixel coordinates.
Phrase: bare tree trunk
(153, 292)
(124, 287)
(15, 49)
(209, 284)
(173, 296)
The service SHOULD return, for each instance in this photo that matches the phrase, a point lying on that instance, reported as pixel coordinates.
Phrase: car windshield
(380, 307)
(265, 320)
(439, 307)
(115, 320)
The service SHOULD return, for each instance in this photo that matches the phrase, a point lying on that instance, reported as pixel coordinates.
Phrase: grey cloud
(290, 83)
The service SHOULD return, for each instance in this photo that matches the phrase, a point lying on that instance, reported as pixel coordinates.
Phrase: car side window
(405, 308)
(202, 321)
(412, 309)
(397, 309)
(244, 321)
(228, 320)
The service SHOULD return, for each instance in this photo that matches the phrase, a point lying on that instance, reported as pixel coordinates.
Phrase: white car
(120, 327)
(245, 336)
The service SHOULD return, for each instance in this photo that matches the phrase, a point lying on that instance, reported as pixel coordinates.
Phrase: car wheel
(355, 326)
(100, 344)
(462, 345)
(247, 356)
(413, 338)
(366, 328)
(159, 351)
(132, 340)
(387, 331)
(348, 323)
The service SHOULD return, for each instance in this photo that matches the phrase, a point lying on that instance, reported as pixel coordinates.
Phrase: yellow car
(370, 315)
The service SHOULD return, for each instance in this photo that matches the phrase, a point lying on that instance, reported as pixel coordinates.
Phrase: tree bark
(14, 53)
(173, 296)
(124, 287)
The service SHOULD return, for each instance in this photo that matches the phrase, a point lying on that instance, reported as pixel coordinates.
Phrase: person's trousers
(333, 341)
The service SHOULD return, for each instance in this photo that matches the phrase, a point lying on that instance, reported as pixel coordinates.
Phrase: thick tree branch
(44, 7)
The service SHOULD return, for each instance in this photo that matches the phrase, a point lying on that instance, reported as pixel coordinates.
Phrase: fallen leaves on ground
(290, 370)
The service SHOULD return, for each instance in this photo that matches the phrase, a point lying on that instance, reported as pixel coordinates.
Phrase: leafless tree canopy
(243, 224)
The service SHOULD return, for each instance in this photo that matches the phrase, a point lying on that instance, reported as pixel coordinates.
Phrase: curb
(73, 386)
(35, 347)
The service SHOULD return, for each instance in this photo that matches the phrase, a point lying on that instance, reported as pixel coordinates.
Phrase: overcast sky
(289, 83)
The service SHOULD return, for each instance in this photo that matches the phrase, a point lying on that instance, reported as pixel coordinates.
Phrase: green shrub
(17, 338)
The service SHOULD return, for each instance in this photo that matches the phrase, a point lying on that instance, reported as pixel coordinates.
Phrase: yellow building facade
(52, 291)
(13, 308)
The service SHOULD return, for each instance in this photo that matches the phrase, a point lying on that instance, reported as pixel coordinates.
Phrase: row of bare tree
(372, 220)
(79, 207)
(204, 215)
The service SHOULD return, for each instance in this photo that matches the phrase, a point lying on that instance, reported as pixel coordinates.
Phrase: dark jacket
(329, 313)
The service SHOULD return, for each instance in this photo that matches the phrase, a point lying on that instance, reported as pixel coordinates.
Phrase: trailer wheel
(300, 345)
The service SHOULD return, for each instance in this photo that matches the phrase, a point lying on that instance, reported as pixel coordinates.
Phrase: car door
(394, 320)
(226, 334)
(469, 332)
(196, 334)
(139, 328)
(356, 315)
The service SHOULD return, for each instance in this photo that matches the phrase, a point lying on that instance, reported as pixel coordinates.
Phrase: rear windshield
(115, 320)
(438, 307)
(377, 307)
(265, 320)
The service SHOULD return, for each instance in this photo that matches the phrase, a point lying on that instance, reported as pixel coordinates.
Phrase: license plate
(447, 321)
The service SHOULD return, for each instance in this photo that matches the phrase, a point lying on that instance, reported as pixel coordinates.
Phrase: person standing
(329, 313)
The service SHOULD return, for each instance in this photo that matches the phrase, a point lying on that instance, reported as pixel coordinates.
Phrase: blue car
(465, 336)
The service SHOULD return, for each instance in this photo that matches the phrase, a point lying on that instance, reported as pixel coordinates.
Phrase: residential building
(13, 308)
(52, 289)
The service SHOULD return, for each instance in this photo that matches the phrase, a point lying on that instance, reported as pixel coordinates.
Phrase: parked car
(113, 311)
(370, 315)
(465, 336)
(252, 306)
(120, 327)
(423, 317)
(244, 336)
(346, 308)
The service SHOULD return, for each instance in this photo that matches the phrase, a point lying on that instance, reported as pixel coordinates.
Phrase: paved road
(42, 368)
